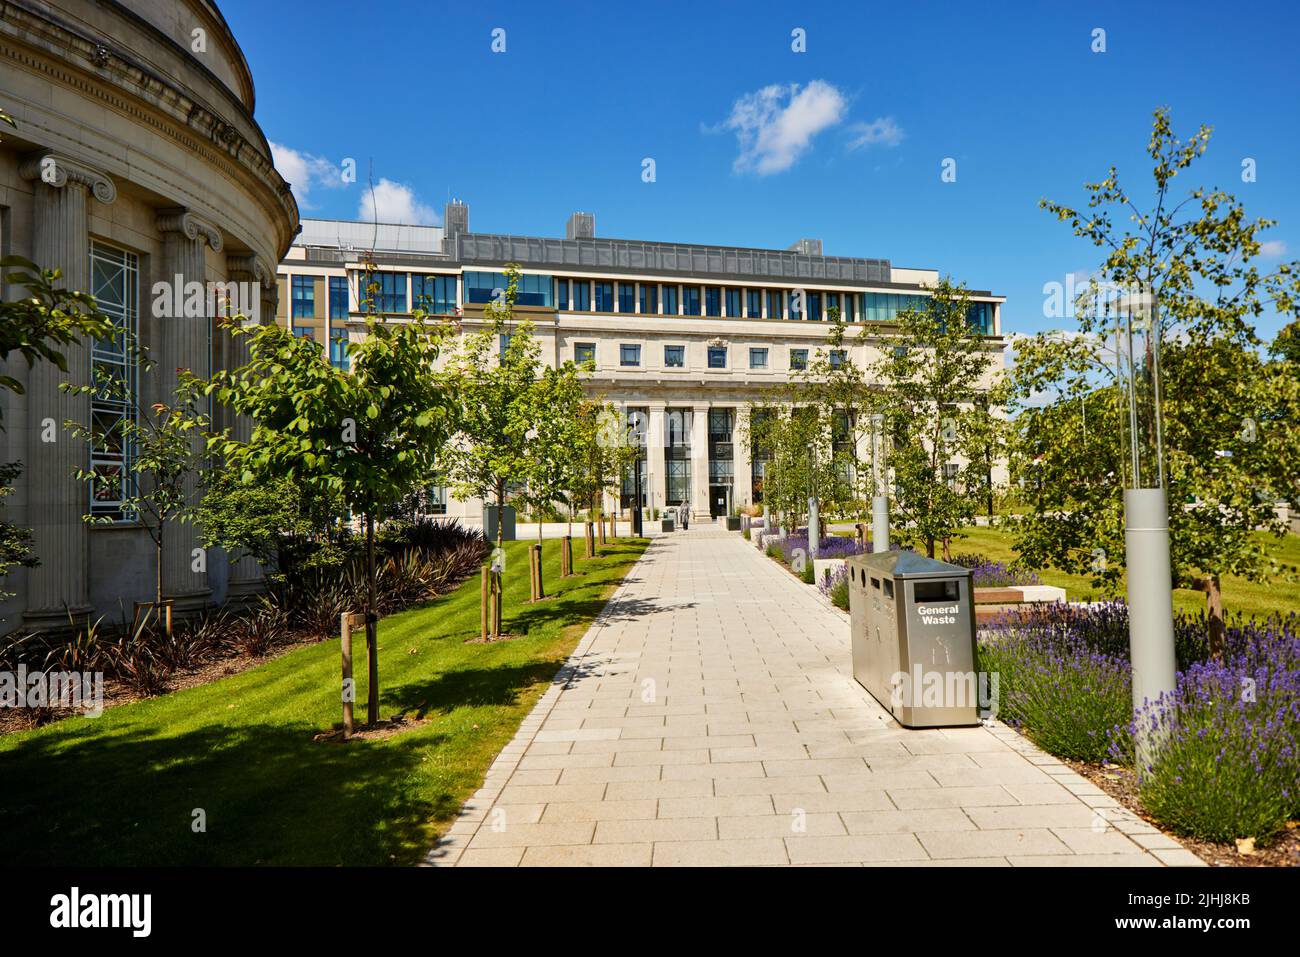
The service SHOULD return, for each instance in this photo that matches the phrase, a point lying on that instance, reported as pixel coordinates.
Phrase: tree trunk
(1218, 629)
(929, 548)
(372, 623)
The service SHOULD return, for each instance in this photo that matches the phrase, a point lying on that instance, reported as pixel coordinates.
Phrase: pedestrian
(685, 510)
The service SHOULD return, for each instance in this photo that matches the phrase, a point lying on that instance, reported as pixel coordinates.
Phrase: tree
(797, 442)
(165, 463)
(556, 397)
(1231, 439)
(939, 392)
(370, 435)
(835, 383)
(603, 447)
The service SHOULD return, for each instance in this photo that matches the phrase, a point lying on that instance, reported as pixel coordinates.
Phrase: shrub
(835, 586)
(1226, 764)
(986, 573)
(264, 626)
(135, 662)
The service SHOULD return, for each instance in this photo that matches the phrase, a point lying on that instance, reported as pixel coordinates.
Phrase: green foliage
(263, 519)
(45, 319)
(15, 541)
(939, 385)
(1231, 429)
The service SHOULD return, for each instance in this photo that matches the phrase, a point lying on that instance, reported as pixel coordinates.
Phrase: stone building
(682, 337)
(137, 168)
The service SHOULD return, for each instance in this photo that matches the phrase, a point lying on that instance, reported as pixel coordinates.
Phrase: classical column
(57, 502)
(742, 491)
(700, 462)
(656, 467)
(247, 577)
(184, 342)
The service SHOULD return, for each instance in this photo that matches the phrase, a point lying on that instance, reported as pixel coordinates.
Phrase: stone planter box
(733, 523)
(992, 602)
(823, 565)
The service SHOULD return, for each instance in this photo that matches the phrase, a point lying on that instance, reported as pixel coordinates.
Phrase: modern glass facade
(338, 286)
(386, 291)
(434, 294)
(532, 290)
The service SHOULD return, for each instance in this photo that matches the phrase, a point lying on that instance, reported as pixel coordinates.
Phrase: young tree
(939, 390)
(166, 461)
(370, 435)
(1231, 436)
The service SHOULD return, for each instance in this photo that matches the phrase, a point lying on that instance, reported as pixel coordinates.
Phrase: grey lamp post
(814, 519)
(1146, 512)
(879, 500)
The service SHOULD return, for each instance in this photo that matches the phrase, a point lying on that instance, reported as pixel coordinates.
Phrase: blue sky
(845, 145)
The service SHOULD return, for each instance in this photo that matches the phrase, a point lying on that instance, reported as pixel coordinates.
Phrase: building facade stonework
(681, 337)
(135, 165)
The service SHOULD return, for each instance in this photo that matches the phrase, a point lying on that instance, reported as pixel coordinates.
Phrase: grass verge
(127, 788)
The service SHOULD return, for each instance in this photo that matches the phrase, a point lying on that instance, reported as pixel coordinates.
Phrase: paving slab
(709, 717)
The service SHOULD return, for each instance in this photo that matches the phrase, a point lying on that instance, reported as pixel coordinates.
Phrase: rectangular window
(304, 332)
(604, 297)
(584, 352)
(436, 295)
(775, 304)
(114, 279)
(836, 357)
(531, 290)
(629, 354)
(798, 358)
(690, 300)
(303, 297)
(562, 294)
(339, 352)
(815, 306)
(581, 295)
(712, 300)
(717, 357)
(438, 498)
(338, 298)
(833, 302)
(758, 358)
(626, 297)
(670, 301)
(733, 302)
(754, 303)
(649, 299)
(386, 291)
(674, 357)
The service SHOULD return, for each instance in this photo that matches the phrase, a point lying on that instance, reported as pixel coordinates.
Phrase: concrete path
(709, 717)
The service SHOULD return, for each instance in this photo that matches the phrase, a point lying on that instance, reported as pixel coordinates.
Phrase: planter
(666, 524)
(823, 565)
(733, 523)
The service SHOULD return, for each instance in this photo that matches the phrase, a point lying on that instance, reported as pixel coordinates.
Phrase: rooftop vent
(808, 247)
(580, 226)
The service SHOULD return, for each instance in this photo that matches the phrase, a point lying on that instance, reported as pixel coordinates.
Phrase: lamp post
(879, 500)
(1146, 511)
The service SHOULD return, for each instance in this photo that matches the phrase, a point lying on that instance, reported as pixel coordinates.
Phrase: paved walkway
(709, 717)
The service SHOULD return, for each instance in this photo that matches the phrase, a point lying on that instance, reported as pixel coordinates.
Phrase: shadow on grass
(270, 795)
(468, 687)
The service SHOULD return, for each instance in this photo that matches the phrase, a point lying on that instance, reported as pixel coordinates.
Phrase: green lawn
(122, 788)
(1239, 595)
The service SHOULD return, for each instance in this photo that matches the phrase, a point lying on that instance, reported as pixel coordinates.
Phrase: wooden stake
(349, 688)
(566, 556)
(589, 543)
(541, 588)
(485, 590)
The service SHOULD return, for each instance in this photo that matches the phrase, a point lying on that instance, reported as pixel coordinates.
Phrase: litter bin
(913, 636)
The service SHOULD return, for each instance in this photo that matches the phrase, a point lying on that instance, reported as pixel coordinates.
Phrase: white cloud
(394, 203)
(1272, 249)
(776, 125)
(882, 131)
(303, 171)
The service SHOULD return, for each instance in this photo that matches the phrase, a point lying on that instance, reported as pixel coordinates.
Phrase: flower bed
(986, 573)
(1226, 763)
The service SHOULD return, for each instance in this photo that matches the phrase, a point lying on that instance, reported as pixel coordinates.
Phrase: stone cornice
(57, 170)
(183, 221)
